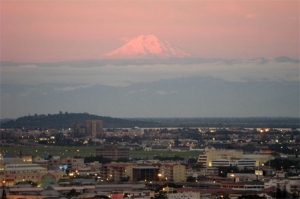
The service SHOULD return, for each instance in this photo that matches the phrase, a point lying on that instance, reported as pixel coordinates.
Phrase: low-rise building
(117, 171)
(241, 163)
(14, 173)
(113, 152)
(246, 186)
(173, 171)
(145, 173)
(71, 163)
(184, 195)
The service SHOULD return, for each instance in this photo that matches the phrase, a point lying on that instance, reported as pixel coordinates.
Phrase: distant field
(49, 150)
(86, 151)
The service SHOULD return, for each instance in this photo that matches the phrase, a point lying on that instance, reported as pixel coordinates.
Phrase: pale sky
(51, 31)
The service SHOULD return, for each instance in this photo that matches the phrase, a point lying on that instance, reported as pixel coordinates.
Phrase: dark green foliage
(251, 196)
(283, 163)
(192, 160)
(102, 196)
(198, 166)
(161, 195)
(72, 193)
(224, 170)
(175, 158)
(97, 158)
(250, 122)
(3, 194)
(191, 179)
(122, 160)
(281, 148)
(63, 121)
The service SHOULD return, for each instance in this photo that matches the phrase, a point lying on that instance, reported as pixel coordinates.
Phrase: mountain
(179, 97)
(146, 47)
(65, 120)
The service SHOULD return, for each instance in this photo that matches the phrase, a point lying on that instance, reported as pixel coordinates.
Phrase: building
(117, 171)
(173, 171)
(94, 128)
(113, 152)
(71, 163)
(241, 163)
(260, 159)
(293, 186)
(78, 130)
(244, 177)
(14, 173)
(244, 159)
(145, 173)
(245, 186)
(184, 195)
(209, 156)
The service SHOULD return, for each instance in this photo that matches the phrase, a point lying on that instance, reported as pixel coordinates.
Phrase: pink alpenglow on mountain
(146, 47)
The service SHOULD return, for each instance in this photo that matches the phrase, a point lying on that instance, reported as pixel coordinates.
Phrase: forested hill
(65, 120)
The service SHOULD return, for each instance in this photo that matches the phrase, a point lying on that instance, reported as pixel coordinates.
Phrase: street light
(159, 175)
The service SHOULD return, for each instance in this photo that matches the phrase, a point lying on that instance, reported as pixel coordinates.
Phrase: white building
(184, 195)
(293, 186)
(233, 162)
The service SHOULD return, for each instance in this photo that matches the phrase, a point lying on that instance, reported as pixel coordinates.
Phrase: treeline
(221, 122)
(65, 120)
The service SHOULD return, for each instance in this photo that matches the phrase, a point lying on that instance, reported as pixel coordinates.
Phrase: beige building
(14, 173)
(207, 158)
(173, 171)
(260, 159)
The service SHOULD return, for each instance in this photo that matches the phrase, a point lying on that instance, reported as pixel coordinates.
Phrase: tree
(191, 179)
(126, 195)
(161, 195)
(102, 196)
(3, 194)
(192, 160)
(72, 193)
(251, 196)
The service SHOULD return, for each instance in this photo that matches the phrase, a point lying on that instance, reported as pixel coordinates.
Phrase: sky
(51, 31)
(52, 42)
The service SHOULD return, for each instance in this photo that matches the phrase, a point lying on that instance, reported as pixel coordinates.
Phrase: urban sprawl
(150, 163)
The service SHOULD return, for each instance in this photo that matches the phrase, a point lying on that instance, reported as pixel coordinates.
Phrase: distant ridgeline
(65, 120)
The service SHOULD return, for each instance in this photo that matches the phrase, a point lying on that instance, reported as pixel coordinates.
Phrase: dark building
(78, 130)
(145, 173)
(113, 152)
(94, 128)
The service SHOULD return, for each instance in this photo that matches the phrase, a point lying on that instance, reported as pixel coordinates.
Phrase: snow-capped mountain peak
(146, 47)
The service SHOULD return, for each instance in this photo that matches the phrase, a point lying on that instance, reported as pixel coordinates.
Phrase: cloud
(121, 75)
(71, 88)
(286, 59)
